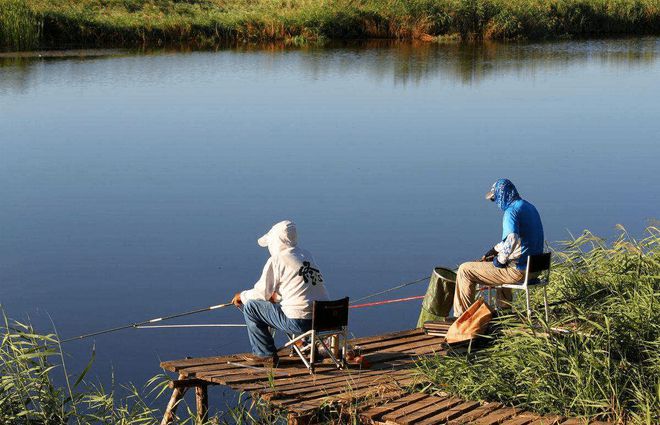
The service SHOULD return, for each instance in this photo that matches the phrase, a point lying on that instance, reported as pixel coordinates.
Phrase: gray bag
(439, 296)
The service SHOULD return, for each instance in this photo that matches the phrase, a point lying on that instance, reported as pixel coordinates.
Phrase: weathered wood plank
(311, 405)
(338, 388)
(432, 402)
(497, 417)
(472, 415)
(375, 413)
(395, 342)
(521, 419)
(451, 413)
(343, 376)
(433, 410)
(549, 420)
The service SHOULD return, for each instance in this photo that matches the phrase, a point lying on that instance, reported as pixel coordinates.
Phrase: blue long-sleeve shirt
(522, 235)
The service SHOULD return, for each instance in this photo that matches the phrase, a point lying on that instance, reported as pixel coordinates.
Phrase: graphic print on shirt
(309, 273)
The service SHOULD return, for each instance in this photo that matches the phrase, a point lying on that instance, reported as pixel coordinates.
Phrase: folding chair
(329, 320)
(536, 265)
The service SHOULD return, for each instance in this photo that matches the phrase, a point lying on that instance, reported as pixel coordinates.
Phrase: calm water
(136, 185)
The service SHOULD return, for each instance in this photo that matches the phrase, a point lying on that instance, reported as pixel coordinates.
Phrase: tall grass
(37, 389)
(606, 366)
(20, 26)
(204, 23)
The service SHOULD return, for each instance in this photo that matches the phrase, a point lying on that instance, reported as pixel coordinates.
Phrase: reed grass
(20, 26)
(205, 23)
(37, 389)
(606, 367)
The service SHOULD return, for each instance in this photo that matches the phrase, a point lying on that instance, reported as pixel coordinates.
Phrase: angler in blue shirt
(522, 235)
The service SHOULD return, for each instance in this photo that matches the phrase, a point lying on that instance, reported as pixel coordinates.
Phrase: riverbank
(30, 24)
(604, 365)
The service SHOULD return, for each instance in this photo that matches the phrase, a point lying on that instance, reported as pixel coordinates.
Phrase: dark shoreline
(207, 24)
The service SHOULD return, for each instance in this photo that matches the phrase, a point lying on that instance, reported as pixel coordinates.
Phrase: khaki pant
(484, 273)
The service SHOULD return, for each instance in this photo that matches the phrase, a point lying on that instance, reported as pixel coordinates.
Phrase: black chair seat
(537, 281)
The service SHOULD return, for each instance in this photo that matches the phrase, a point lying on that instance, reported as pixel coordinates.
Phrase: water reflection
(402, 63)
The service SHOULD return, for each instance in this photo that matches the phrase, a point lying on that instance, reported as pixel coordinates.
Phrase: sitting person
(282, 299)
(522, 235)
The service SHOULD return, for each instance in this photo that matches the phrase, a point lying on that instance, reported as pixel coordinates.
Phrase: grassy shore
(606, 367)
(29, 24)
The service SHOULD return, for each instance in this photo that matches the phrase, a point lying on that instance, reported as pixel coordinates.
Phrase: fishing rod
(146, 322)
(394, 288)
(203, 325)
(397, 300)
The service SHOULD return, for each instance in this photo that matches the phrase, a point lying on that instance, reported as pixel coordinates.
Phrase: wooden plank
(394, 342)
(409, 413)
(432, 411)
(186, 383)
(317, 377)
(375, 413)
(521, 419)
(498, 416)
(320, 380)
(311, 405)
(174, 365)
(338, 388)
(335, 387)
(412, 347)
(383, 337)
(367, 403)
(475, 414)
(548, 420)
(451, 413)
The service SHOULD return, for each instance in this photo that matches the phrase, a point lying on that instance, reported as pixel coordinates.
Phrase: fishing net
(439, 296)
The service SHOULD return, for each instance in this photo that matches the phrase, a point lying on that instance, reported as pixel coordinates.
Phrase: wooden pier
(376, 392)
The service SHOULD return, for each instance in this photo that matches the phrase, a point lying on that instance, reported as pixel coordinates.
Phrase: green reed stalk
(20, 27)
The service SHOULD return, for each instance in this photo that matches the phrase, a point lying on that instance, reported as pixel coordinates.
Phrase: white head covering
(281, 236)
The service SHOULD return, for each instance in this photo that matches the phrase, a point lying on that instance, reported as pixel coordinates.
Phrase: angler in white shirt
(283, 296)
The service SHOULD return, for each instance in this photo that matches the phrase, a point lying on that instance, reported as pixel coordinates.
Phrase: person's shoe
(261, 360)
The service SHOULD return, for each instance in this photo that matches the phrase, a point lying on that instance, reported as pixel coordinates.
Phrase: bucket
(439, 296)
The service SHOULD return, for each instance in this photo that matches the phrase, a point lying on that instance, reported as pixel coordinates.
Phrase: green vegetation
(205, 23)
(606, 366)
(20, 27)
(37, 389)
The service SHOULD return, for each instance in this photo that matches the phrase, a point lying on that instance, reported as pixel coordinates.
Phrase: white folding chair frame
(317, 338)
(525, 286)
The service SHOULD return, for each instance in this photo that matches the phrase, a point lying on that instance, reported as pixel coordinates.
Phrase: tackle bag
(439, 296)
(471, 324)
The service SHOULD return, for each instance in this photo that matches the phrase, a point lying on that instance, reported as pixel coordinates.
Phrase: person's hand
(273, 298)
(237, 300)
(490, 255)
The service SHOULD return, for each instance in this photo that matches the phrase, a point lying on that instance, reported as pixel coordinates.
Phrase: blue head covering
(505, 193)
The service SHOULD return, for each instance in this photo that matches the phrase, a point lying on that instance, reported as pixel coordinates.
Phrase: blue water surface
(136, 185)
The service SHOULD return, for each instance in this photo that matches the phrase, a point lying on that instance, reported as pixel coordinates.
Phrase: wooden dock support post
(202, 399)
(170, 411)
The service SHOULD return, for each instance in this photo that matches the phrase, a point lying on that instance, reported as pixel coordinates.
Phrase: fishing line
(403, 285)
(146, 322)
(397, 300)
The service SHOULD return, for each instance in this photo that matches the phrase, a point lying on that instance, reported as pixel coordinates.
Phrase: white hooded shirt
(290, 273)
